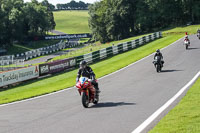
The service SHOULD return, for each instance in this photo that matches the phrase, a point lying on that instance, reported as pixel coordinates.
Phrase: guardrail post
(109, 51)
(95, 56)
(120, 48)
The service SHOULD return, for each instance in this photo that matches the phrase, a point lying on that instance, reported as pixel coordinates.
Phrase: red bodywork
(88, 88)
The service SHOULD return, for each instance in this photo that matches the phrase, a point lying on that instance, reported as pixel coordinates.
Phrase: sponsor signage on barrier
(19, 75)
(68, 36)
(56, 66)
(43, 69)
(61, 65)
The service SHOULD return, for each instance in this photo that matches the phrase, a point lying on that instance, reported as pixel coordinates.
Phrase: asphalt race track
(128, 98)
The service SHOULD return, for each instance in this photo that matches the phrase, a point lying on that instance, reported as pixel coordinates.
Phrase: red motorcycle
(87, 90)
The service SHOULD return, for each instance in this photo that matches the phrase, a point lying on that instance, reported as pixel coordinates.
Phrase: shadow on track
(192, 48)
(167, 71)
(111, 104)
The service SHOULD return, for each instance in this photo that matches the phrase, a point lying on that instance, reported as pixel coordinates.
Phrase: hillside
(72, 22)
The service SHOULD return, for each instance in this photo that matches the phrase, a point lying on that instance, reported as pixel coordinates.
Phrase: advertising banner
(43, 69)
(57, 66)
(19, 75)
(61, 65)
(68, 36)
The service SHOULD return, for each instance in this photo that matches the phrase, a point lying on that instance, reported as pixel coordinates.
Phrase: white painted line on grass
(98, 79)
(149, 120)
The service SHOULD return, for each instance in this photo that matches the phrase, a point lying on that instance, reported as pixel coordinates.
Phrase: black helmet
(158, 50)
(83, 64)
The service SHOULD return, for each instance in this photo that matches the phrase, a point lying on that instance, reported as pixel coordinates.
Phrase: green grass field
(185, 117)
(181, 30)
(72, 22)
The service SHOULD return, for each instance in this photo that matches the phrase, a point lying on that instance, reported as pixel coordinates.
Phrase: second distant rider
(158, 53)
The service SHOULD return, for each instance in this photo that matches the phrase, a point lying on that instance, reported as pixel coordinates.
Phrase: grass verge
(65, 80)
(72, 22)
(185, 117)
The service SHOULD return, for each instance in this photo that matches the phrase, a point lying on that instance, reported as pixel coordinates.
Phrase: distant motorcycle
(198, 35)
(87, 90)
(158, 63)
(187, 44)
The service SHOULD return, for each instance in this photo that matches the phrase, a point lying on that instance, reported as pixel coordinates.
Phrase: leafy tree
(20, 20)
(48, 5)
(117, 19)
(73, 5)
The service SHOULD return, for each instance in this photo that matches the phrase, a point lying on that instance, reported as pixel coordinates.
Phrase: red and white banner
(19, 75)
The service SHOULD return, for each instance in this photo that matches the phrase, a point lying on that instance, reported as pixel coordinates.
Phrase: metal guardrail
(120, 48)
(11, 59)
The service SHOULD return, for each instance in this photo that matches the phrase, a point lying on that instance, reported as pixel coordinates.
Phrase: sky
(54, 2)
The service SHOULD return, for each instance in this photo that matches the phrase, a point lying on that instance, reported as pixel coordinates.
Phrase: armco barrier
(8, 60)
(114, 50)
(43, 51)
(11, 77)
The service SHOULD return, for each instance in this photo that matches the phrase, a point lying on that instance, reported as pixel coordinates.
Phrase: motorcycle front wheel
(85, 100)
(186, 47)
(158, 68)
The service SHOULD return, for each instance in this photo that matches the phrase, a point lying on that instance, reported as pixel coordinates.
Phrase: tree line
(19, 20)
(73, 5)
(118, 19)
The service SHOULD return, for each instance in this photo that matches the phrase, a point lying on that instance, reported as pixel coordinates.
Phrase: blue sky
(54, 2)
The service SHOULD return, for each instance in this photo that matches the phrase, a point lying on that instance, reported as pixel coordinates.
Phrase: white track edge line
(37, 97)
(149, 120)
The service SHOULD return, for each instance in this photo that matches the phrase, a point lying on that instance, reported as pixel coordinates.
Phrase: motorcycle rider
(87, 71)
(187, 39)
(158, 53)
(198, 32)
